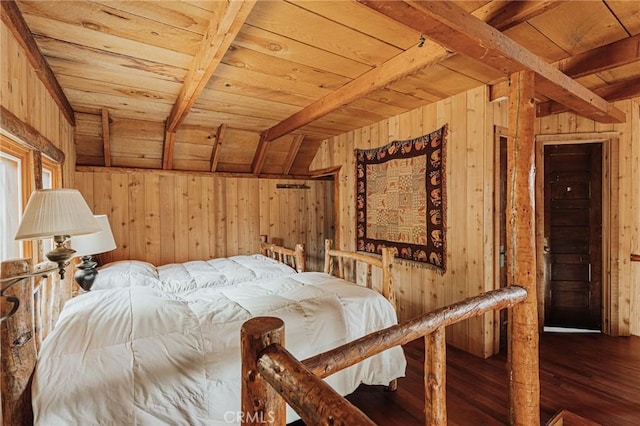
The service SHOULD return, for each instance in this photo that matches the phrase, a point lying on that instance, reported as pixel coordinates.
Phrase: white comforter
(139, 355)
(190, 275)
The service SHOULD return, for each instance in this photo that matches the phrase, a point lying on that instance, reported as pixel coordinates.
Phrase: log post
(18, 349)
(263, 243)
(328, 265)
(299, 258)
(524, 378)
(261, 404)
(435, 373)
(388, 289)
(313, 399)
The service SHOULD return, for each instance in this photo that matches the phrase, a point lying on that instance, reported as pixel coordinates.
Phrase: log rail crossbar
(272, 376)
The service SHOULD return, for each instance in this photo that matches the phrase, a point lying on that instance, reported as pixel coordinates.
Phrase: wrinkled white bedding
(143, 356)
(189, 275)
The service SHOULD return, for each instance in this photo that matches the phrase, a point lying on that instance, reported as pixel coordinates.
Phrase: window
(47, 178)
(16, 183)
(10, 198)
(50, 179)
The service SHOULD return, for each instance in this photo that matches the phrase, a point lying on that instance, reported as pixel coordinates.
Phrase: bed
(140, 354)
(272, 261)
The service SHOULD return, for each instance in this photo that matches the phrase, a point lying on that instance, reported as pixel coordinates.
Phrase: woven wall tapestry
(400, 199)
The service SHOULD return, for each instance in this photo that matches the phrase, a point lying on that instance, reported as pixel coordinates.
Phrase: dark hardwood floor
(592, 375)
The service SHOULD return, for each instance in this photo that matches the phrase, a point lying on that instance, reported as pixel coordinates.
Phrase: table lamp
(88, 245)
(57, 213)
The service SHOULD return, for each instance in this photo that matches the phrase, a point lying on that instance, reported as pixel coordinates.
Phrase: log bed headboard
(292, 257)
(41, 295)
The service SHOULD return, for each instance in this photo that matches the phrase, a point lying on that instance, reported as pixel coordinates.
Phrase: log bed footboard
(385, 263)
(272, 376)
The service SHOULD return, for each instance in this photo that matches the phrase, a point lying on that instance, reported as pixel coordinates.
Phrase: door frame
(610, 287)
(500, 317)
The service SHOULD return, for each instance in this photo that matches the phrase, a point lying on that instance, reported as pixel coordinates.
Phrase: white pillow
(126, 273)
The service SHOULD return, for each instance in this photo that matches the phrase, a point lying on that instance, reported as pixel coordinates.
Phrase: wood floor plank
(592, 375)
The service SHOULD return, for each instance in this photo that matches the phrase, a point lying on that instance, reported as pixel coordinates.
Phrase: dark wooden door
(573, 235)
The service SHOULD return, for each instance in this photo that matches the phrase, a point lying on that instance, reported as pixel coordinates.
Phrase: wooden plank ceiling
(254, 87)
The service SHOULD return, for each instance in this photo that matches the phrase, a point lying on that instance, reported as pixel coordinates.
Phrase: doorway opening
(603, 165)
(573, 236)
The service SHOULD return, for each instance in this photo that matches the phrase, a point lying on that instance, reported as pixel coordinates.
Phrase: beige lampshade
(98, 242)
(52, 212)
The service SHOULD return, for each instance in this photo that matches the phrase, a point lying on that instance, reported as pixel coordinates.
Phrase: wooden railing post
(328, 264)
(299, 258)
(435, 373)
(521, 253)
(261, 403)
(313, 399)
(263, 245)
(388, 290)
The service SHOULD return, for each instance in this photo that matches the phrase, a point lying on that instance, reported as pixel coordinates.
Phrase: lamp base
(60, 254)
(86, 273)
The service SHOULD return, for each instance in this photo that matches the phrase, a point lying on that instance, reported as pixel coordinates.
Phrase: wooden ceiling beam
(222, 29)
(167, 150)
(596, 60)
(106, 138)
(510, 14)
(451, 26)
(215, 153)
(261, 154)
(325, 172)
(29, 135)
(293, 152)
(602, 58)
(614, 92)
(161, 172)
(12, 17)
(410, 61)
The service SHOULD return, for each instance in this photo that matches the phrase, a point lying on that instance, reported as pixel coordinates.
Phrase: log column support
(261, 403)
(521, 255)
(435, 373)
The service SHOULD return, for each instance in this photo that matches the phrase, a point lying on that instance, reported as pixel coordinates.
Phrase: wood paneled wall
(22, 93)
(470, 222)
(166, 217)
(635, 216)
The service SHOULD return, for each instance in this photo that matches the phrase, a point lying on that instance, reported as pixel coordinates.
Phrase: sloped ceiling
(254, 87)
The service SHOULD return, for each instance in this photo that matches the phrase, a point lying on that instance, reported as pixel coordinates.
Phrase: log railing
(268, 366)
